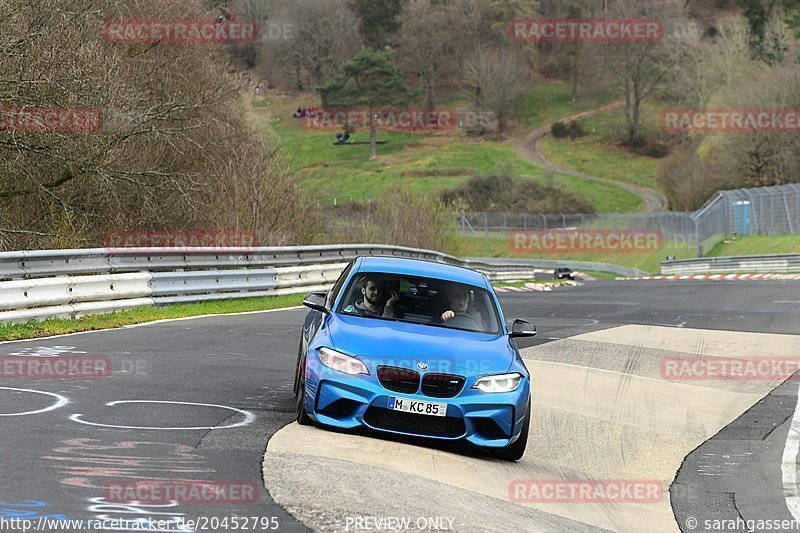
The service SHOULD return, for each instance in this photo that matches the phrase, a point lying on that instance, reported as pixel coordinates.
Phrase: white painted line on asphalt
(789, 464)
(151, 323)
(60, 402)
(210, 315)
(248, 416)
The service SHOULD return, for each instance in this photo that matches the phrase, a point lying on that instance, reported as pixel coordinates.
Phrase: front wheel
(297, 368)
(515, 450)
(302, 415)
(300, 391)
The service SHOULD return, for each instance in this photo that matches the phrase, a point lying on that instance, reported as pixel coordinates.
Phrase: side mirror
(316, 301)
(522, 328)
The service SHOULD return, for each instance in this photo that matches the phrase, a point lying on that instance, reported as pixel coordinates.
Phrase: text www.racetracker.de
(202, 523)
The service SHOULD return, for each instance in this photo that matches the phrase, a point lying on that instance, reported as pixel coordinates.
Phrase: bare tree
(428, 45)
(640, 66)
(323, 37)
(701, 68)
(760, 158)
(172, 132)
(497, 81)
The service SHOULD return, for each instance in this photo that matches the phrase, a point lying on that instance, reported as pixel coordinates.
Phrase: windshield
(419, 300)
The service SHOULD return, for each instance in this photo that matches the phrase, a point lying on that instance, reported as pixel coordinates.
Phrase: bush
(573, 130)
(559, 130)
(687, 181)
(637, 142)
(498, 191)
(401, 217)
(654, 150)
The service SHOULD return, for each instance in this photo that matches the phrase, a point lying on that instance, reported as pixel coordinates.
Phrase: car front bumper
(343, 401)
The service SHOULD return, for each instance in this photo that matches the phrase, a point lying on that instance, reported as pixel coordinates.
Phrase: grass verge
(757, 245)
(522, 283)
(58, 326)
(552, 100)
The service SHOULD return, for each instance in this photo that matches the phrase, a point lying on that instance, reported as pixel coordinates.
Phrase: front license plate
(417, 406)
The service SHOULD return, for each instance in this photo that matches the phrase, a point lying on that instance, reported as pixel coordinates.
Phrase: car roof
(419, 267)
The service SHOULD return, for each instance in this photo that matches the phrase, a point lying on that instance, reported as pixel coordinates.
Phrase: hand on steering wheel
(463, 320)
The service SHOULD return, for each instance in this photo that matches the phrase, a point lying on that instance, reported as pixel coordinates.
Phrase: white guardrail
(35, 285)
(759, 264)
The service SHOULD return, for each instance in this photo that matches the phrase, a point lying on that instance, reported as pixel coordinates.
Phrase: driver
(375, 301)
(458, 302)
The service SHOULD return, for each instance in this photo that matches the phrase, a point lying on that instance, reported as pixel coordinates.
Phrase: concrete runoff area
(603, 412)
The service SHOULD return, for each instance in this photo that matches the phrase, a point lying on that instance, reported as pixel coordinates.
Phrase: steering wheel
(464, 321)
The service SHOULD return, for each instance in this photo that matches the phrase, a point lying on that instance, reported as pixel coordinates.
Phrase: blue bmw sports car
(414, 348)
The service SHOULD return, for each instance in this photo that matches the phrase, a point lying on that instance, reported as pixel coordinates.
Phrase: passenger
(375, 302)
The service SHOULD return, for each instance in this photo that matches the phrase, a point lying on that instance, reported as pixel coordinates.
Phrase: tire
(297, 368)
(515, 450)
(302, 415)
(300, 392)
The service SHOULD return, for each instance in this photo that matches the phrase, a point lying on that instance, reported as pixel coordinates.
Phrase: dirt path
(528, 148)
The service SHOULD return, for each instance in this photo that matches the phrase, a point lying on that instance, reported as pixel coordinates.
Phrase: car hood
(406, 345)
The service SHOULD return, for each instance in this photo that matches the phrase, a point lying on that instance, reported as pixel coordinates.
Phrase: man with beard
(375, 302)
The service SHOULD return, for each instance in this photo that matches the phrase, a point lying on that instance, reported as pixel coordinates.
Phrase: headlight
(499, 383)
(341, 362)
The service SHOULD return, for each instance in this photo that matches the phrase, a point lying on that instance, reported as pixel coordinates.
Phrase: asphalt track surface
(196, 400)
